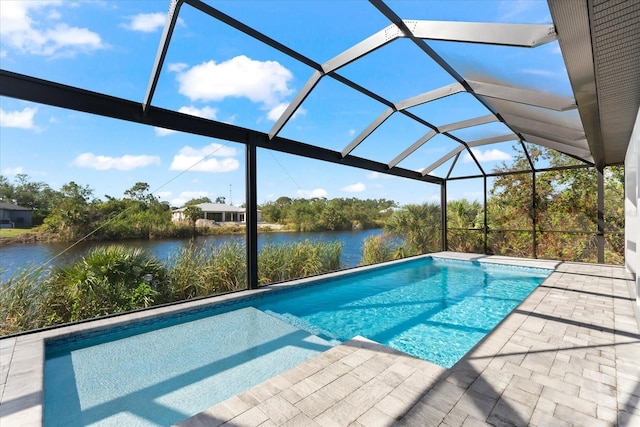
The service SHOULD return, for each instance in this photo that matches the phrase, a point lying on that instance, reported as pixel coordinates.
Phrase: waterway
(16, 257)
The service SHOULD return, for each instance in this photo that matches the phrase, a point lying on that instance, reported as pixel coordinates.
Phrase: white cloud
(275, 113)
(177, 67)
(354, 188)
(373, 175)
(309, 194)
(204, 112)
(377, 175)
(20, 29)
(514, 9)
(164, 194)
(199, 159)
(13, 171)
(54, 15)
(124, 163)
(185, 196)
(18, 119)
(487, 156)
(163, 131)
(146, 22)
(263, 82)
(193, 194)
(539, 72)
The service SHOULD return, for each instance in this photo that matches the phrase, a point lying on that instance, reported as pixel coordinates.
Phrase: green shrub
(106, 281)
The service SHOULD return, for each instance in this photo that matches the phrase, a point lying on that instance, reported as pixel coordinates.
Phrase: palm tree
(418, 225)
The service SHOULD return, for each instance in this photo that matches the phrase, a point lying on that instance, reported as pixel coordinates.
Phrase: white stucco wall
(632, 195)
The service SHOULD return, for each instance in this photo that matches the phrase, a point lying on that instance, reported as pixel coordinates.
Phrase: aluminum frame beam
(295, 103)
(582, 154)
(468, 123)
(41, 91)
(163, 47)
(366, 46)
(523, 96)
(521, 35)
(423, 98)
(493, 140)
(368, 131)
(529, 124)
(419, 143)
(442, 160)
(476, 143)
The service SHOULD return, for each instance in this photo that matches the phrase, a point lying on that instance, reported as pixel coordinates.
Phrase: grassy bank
(117, 279)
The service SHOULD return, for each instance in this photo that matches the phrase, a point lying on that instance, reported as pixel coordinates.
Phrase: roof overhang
(600, 43)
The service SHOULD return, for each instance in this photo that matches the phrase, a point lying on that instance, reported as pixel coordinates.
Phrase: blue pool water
(162, 371)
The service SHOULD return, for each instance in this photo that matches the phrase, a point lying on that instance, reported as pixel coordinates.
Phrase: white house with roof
(216, 212)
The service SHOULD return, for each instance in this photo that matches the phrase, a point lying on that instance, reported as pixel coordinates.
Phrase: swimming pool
(164, 370)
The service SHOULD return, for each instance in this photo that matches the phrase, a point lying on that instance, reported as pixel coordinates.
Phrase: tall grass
(381, 248)
(117, 279)
(288, 261)
(21, 301)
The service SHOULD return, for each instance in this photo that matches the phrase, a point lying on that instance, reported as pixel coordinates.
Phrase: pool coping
(23, 356)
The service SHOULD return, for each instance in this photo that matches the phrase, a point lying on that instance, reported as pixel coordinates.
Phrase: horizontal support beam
(521, 35)
(495, 174)
(46, 92)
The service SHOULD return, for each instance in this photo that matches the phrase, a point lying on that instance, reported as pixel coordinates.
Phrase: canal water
(16, 257)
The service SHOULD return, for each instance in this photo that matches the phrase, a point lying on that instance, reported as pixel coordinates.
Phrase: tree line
(73, 211)
(557, 221)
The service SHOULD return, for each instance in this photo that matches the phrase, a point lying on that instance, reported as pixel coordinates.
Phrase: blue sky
(216, 72)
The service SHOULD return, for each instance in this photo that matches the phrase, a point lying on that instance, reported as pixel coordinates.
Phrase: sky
(214, 71)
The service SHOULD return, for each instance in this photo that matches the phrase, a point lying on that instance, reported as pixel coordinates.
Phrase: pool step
(305, 326)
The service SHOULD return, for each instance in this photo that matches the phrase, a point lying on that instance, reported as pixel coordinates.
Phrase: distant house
(14, 216)
(216, 212)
